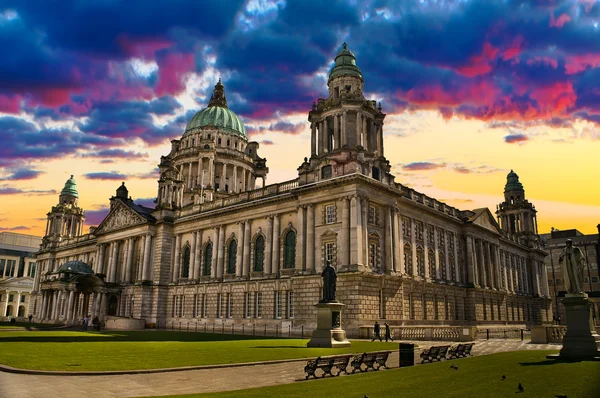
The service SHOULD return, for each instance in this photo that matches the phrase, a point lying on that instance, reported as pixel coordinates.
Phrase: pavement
(200, 380)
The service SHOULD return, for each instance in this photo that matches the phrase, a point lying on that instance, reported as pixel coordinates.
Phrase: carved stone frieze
(119, 218)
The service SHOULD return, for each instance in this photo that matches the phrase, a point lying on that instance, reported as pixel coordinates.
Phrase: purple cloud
(419, 166)
(515, 138)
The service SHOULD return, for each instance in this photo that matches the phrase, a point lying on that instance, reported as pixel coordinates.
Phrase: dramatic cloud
(8, 190)
(515, 138)
(95, 217)
(21, 174)
(419, 166)
(116, 176)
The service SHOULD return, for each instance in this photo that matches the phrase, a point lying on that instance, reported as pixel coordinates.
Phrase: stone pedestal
(329, 332)
(581, 340)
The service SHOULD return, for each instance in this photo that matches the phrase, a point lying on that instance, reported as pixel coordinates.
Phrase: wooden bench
(327, 365)
(434, 353)
(370, 360)
(459, 350)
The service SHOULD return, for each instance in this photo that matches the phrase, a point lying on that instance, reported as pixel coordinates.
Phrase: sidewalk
(198, 381)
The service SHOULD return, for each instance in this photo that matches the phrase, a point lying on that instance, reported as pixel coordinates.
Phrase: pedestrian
(84, 324)
(377, 330)
(388, 333)
(30, 317)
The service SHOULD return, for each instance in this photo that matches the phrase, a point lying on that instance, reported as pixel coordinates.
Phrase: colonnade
(69, 225)
(15, 303)
(70, 305)
(238, 178)
(331, 133)
(121, 268)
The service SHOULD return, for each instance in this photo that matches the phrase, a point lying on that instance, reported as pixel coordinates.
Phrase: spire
(218, 97)
(512, 182)
(122, 192)
(70, 188)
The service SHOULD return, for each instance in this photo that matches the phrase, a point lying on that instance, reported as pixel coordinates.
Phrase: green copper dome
(218, 114)
(75, 267)
(345, 64)
(512, 182)
(70, 188)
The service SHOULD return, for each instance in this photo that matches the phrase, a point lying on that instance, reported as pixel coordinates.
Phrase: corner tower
(65, 220)
(346, 128)
(516, 215)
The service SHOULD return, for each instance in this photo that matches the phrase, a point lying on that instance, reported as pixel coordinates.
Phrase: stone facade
(218, 249)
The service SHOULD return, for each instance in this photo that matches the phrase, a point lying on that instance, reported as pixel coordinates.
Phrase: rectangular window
(229, 306)
(219, 311)
(406, 227)
(181, 303)
(329, 251)
(21, 271)
(594, 279)
(372, 215)
(586, 280)
(203, 306)
(248, 305)
(173, 306)
(278, 306)
(2, 266)
(11, 297)
(10, 267)
(372, 255)
(195, 309)
(419, 231)
(31, 269)
(22, 298)
(329, 214)
(258, 305)
(290, 304)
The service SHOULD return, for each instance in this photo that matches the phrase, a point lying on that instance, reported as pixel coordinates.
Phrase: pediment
(329, 232)
(23, 283)
(485, 219)
(119, 217)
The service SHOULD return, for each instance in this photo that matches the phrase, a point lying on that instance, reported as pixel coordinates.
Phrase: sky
(471, 89)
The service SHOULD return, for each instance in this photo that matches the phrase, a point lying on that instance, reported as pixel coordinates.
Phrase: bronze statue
(574, 263)
(329, 283)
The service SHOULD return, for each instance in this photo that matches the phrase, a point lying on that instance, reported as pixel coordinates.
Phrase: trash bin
(407, 354)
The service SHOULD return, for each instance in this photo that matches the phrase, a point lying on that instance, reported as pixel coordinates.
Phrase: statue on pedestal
(574, 263)
(329, 283)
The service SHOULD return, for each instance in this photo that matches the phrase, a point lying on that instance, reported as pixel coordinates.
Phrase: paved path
(196, 381)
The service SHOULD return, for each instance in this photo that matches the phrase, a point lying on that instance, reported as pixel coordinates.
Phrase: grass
(476, 377)
(78, 351)
(25, 325)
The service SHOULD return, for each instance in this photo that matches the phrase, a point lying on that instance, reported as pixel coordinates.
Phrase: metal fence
(499, 333)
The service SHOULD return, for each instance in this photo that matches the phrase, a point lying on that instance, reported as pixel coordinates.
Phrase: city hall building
(222, 247)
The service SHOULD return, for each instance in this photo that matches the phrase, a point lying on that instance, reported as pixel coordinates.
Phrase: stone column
(313, 138)
(544, 277)
(70, 306)
(240, 251)
(426, 252)
(344, 132)
(336, 132)
(176, 259)
(102, 309)
(44, 305)
(300, 241)
(192, 268)
(221, 256)
(130, 251)
(235, 184)
(400, 245)
(365, 230)
(199, 177)
(355, 231)
(198, 255)
(471, 261)
(244, 184)
(54, 306)
(276, 246)
(223, 177)
(344, 239)
(113, 265)
(379, 141)
(189, 179)
(389, 241)
(268, 268)
(359, 129)
(310, 240)
(215, 252)
(147, 270)
(211, 172)
(247, 238)
(436, 253)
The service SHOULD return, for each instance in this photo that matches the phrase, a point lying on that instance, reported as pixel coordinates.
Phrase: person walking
(377, 330)
(388, 333)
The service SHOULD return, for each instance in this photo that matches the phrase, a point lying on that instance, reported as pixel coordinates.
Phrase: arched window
(259, 254)
(207, 260)
(185, 262)
(289, 250)
(231, 257)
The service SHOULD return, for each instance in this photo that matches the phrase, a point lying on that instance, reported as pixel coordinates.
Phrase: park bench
(459, 350)
(327, 365)
(370, 360)
(434, 353)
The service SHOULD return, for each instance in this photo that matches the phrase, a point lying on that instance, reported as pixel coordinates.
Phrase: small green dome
(75, 267)
(512, 182)
(345, 64)
(70, 188)
(218, 114)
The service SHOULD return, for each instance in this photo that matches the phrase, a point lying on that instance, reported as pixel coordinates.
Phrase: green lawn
(25, 325)
(76, 351)
(475, 377)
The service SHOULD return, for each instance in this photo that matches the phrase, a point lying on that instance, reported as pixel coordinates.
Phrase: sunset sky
(471, 89)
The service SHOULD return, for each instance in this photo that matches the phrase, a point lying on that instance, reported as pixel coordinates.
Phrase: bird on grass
(453, 367)
(503, 377)
(520, 387)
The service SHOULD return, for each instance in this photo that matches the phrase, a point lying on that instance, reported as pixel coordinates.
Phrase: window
(31, 270)
(259, 254)
(219, 305)
(419, 231)
(258, 311)
(185, 262)
(207, 260)
(231, 257)
(22, 298)
(228, 142)
(11, 297)
(372, 255)
(407, 259)
(21, 270)
(2, 266)
(203, 307)
(430, 236)
(586, 280)
(195, 309)
(173, 306)
(406, 228)
(594, 279)
(443, 266)
(431, 264)
(329, 214)
(229, 307)
(329, 251)
(372, 215)
(181, 302)
(219, 141)
(278, 306)
(289, 250)
(420, 262)
(248, 305)
(326, 171)
(375, 173)
(10, 267)
(290, 304)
